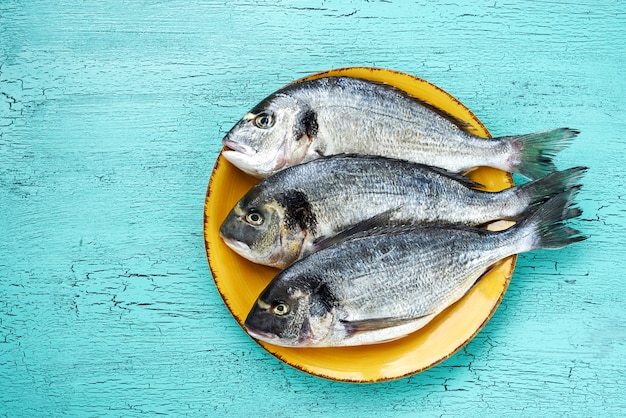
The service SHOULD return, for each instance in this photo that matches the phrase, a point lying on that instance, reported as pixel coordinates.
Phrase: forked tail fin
(540, 190)
(534, 152)
(544, 225)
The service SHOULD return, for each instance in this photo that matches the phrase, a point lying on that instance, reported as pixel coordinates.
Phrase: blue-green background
(111, 117)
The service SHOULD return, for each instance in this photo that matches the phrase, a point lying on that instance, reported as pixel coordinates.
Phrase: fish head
(270, 225)
(290, 313)
(276, 134)
(259, 229)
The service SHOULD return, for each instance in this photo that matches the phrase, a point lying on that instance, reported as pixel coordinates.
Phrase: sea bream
(335, 115)
(389, 282)
(282, 218)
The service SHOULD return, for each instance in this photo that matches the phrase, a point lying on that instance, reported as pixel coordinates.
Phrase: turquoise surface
(111, 117)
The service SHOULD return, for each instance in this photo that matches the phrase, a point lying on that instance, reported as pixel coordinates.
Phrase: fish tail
(545, 222)
(538, 191)
(533, 153)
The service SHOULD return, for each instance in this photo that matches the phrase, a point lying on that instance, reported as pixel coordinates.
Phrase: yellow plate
(239, 281)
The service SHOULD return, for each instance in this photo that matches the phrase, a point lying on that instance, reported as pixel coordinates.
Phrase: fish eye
(254, 218)
(264, 120)
(280, 308)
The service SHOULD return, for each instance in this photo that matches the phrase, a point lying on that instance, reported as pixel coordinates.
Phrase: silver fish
(335, 115)
(281, 219)
(385, 284)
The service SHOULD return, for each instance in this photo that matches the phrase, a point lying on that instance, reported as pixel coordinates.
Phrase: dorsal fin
(382, 219)
(458, 177)
(465, 181)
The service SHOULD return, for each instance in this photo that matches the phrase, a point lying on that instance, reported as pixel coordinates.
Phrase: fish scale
(314, 201)
(381, 284)
(394, 126)
(334, 115)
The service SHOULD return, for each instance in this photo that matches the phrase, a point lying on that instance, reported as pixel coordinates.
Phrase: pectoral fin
(368, 325)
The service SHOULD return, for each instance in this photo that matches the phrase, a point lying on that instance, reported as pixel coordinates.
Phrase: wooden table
(111, 117)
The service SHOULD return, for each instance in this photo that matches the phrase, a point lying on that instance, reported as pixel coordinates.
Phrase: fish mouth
(245, 251)
(274, 339)
(237, 246)
(231, 146)
(242, 157)
(261, 335)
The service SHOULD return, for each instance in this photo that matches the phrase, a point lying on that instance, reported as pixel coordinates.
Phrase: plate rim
(374, 74)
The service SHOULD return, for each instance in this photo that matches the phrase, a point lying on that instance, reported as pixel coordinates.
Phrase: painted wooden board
(111, 117)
